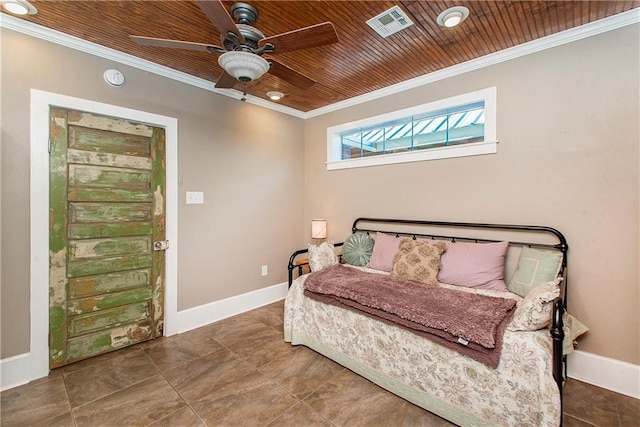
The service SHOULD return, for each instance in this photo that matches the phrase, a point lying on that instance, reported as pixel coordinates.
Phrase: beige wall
(247, 160)
(568, 157)
(568, 126)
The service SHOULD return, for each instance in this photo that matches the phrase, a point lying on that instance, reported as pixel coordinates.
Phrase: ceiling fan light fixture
(244, 66)
(452, 16)
(274, 95)
(19, 7)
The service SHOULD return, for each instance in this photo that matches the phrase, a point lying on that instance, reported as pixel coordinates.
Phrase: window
(454, 127)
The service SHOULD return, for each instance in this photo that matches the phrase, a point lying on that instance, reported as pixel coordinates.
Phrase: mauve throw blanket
(469, 323)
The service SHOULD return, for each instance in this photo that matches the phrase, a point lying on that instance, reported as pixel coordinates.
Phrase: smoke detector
(390, 22)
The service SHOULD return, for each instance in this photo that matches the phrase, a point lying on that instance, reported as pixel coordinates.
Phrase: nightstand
(300, 263)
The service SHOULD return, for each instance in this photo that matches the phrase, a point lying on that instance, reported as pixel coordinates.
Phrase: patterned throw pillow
(535, 310)
(357, 249)
(322, 256)
(418, 260)
(573, 328)
(535, 266)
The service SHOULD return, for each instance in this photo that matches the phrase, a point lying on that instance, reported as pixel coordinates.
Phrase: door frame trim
(39, 214)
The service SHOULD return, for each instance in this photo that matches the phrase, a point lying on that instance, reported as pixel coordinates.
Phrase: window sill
(475, 149)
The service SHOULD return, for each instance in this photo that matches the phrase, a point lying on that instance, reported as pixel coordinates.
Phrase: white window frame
(488, 146)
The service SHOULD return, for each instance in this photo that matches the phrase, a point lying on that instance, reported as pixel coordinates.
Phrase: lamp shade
(244, 66)
(319, 228)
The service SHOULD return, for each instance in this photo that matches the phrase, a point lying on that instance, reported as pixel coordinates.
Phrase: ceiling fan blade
(226, 81)
(176, 44)
(290, 76)
(218, 15)
(303, 38)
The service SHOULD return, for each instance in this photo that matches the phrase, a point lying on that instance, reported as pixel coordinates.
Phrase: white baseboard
(208, 313)
(15, 371)
(19, 370)
(612, 374)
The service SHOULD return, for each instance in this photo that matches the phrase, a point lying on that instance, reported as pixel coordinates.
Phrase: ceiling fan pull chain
(244, 92)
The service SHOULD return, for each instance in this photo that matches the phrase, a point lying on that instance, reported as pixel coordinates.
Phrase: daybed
(524, 389)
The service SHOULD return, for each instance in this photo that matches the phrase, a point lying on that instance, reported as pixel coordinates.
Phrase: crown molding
(567, 36)
(597, 27)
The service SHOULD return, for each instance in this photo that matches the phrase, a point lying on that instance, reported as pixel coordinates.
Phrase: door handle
(161, 245)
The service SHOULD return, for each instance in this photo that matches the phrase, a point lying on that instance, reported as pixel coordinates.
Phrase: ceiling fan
(243, 45)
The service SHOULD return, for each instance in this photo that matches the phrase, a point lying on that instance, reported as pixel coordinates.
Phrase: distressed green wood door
(107, 187)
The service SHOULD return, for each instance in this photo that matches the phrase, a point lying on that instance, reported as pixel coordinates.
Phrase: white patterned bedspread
(520, 392)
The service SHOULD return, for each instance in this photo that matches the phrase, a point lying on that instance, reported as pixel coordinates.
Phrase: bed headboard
(477, 232)
(518, 236)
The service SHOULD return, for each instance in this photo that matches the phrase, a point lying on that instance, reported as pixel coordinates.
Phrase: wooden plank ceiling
(359, 63)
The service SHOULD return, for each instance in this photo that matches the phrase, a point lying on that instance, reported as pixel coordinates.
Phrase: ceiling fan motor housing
(244, 13)
(251, 38)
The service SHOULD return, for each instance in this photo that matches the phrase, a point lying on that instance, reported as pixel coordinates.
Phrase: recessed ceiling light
(19, 7)
(452, 16)
(275, 95)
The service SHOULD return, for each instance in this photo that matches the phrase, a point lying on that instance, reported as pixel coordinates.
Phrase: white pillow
(535, 310)
(573, 328)
(322, 256)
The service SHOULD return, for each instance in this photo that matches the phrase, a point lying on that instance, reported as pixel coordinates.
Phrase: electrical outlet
(265, 270)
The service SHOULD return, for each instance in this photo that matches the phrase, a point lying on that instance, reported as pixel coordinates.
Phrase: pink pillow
(385, 248)
(474, 265)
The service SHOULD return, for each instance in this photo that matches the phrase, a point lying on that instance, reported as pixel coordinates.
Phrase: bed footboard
(557, 334)
(293, 265)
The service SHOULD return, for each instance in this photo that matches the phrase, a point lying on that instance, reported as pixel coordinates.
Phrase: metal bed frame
(559, 305)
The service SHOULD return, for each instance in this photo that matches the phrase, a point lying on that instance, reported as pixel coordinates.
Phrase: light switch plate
(195, 197)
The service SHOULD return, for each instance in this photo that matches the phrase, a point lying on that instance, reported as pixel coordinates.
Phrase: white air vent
(390, 22)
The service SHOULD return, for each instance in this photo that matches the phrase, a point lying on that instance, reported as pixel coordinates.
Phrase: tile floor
(240, 372)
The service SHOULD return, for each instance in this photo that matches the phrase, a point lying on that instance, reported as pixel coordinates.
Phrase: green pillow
(535, 266)
(357, 249)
